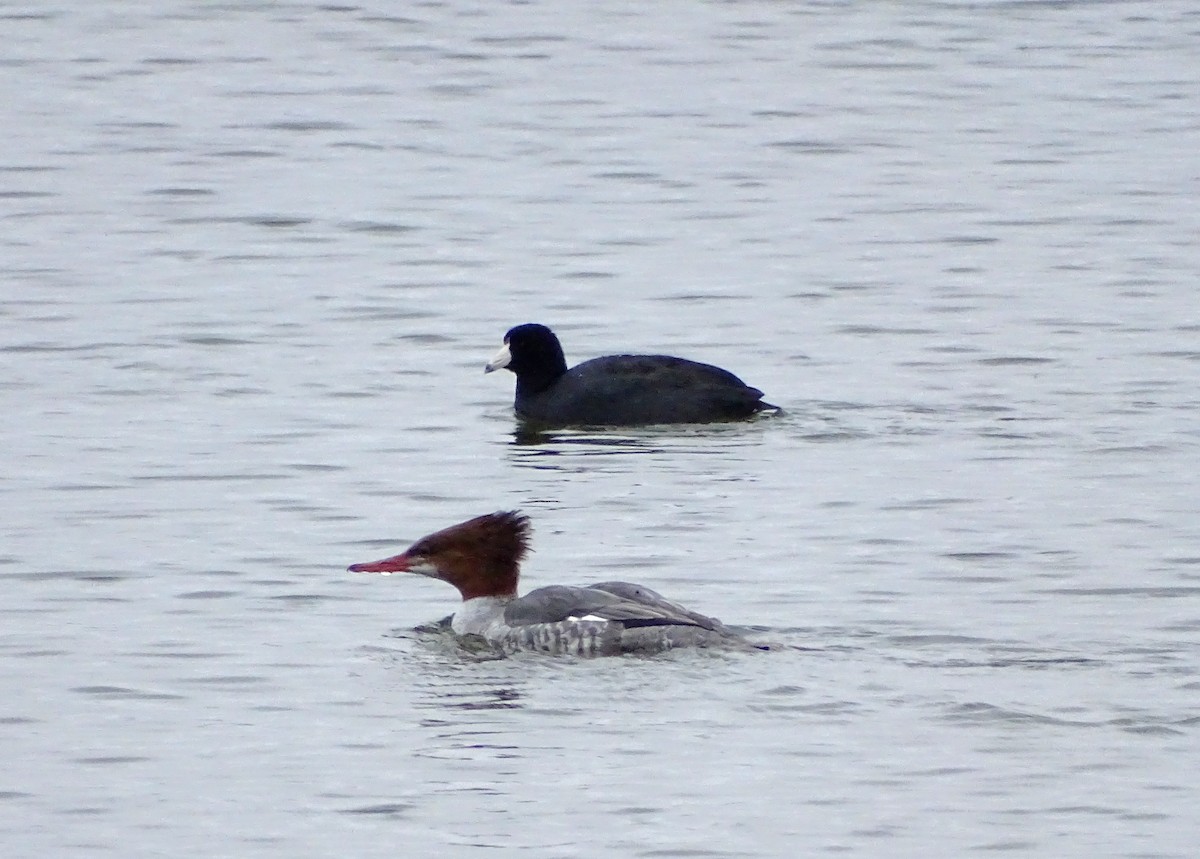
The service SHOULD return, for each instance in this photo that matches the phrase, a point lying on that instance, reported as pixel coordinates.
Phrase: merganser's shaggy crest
(618, 390)
(482, 556)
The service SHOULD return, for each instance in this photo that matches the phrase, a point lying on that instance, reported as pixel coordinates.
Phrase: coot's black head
(533, 352)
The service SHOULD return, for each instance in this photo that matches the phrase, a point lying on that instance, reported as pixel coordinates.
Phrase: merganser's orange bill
(395, 564)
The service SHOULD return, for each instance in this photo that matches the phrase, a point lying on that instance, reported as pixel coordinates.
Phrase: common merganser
(482, 556)
(618, 390)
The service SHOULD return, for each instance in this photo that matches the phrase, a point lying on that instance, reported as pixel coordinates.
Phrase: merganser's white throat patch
(479, 615)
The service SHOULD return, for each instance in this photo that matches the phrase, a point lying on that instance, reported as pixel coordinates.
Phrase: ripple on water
(122, 693)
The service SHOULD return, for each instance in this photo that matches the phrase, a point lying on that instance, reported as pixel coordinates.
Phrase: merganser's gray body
(606, 619)
(481, 558)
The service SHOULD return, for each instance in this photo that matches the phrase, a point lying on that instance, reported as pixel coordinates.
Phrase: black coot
(618, 390)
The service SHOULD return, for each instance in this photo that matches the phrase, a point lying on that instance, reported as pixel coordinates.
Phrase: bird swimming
(481, 558)
(618, 390)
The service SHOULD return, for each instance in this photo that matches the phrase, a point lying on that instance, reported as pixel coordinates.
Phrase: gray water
(254, 256)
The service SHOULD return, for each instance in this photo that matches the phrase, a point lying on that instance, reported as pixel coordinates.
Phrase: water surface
(256, 255)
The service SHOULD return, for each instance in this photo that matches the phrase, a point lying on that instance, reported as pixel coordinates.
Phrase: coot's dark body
(618, 390)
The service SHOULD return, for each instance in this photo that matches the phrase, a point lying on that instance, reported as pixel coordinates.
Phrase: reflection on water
(819, 422)
(491, 699)
(532, 446)
(528, 433)
(471, 698)
(527, 436)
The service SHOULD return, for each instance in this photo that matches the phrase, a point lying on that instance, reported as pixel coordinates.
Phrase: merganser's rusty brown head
(481, 557)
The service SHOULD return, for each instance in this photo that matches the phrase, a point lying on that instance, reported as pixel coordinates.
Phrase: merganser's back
(481, 557)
